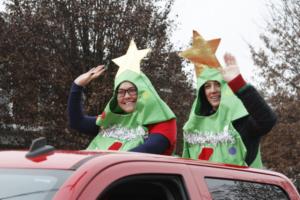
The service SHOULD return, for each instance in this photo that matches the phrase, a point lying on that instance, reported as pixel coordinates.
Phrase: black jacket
(259, 122)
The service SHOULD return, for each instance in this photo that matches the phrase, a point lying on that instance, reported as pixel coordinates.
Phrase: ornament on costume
(131, 60)
(206, 153)
(202, 53)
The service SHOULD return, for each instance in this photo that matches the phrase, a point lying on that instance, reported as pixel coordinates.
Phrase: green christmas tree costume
(130, 129)
(214, 135)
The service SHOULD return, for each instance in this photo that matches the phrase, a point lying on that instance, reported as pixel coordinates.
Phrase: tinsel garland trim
(209, 137)
(122, 133)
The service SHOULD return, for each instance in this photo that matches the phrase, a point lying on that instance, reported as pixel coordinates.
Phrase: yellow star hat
(202, 53)
(131, 60)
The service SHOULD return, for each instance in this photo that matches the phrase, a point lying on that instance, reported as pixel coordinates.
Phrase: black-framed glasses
(131, 91)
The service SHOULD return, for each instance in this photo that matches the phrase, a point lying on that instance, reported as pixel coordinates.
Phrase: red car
(43, 173)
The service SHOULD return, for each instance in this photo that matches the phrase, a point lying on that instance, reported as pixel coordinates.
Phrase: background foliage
(278, 63)
(46, 44)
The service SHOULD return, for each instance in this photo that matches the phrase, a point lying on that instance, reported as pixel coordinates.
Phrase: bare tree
(45, 44)
(278, 64)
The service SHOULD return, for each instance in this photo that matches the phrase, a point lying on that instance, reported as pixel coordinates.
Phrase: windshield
(33, 184)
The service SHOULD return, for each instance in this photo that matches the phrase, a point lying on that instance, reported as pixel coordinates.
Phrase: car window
(146, 187)
(223, 189)
(30, 184)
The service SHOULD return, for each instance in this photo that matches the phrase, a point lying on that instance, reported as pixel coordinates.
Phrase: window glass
(146, 187)
(222, 189)
(33, 184)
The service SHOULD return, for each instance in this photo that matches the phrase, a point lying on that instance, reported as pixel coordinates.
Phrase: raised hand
(231, 70)
(87, 77)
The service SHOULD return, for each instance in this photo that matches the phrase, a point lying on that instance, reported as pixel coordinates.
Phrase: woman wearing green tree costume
(135, 119)
(228, 117)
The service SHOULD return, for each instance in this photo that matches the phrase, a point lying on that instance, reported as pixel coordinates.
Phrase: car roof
(71, 160)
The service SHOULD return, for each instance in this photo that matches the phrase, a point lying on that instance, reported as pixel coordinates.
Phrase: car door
(143, 180)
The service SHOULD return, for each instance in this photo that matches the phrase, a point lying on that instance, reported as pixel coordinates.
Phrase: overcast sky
(236, 22)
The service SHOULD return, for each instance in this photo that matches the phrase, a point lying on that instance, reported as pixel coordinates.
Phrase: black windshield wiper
(28, 193)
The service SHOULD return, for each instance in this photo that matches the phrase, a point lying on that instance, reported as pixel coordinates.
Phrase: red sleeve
(237, 83)
(167, 129)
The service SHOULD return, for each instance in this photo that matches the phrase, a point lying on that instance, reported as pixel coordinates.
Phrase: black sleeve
(77, 119)
(261, 118)
(155, 143)
(259, 122)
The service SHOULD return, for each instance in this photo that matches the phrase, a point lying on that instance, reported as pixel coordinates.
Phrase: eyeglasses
(131, 91)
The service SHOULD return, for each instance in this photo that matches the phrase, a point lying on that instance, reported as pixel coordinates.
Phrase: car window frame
(125, 169)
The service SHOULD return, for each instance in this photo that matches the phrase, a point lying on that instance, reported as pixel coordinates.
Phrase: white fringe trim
(209, 137)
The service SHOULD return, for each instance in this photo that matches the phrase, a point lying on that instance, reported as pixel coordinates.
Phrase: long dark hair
(203, 107)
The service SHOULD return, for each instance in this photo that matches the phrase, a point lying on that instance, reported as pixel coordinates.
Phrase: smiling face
(212, 92)
(127, 96)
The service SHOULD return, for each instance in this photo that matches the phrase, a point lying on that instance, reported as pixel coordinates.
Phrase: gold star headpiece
(202, 53)
(131, 60)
